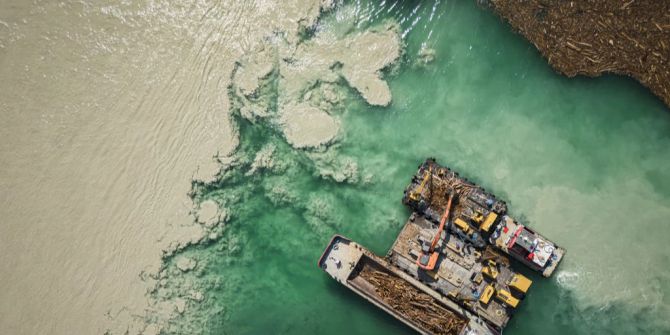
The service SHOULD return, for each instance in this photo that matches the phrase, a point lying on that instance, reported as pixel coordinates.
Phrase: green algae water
(584, 161)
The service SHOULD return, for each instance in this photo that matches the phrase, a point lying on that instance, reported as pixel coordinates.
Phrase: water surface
(584, 161)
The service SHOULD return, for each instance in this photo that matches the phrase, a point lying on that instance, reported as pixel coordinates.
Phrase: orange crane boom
(443, 221)
(428, 262)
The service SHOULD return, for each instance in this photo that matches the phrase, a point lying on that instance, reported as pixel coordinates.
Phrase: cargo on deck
(479, 217)
(448, 271)
(397, 293)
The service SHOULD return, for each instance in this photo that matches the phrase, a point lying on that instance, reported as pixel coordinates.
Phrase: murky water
(582, 160)
(108, 111)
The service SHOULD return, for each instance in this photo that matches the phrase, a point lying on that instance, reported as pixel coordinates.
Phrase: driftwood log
(412, 303)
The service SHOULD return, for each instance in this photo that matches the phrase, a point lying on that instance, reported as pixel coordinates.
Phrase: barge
(479, 217)
(397, 293)
(480, 281)
(449, 270)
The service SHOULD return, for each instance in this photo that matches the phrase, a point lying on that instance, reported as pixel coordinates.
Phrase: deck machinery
(479, 217)
(479, 280)
(396, 292)
(470, 286)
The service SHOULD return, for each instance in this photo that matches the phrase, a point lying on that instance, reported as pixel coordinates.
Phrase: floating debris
(594, 37)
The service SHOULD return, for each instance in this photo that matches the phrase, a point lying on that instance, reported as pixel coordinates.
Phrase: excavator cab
(428, 261)
(490, 269)
(477, 217)
(428, 258)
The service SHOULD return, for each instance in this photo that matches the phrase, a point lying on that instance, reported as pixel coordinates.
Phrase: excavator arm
(428, 260)
(443, 221)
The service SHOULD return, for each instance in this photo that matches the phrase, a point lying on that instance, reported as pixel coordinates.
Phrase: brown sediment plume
(307, 80)
(629, 37)
(105, 134)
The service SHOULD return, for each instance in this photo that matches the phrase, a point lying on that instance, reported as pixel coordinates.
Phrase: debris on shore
(630, 37)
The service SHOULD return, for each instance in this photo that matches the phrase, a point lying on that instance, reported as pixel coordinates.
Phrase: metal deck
(351, 265)
(458, 275)
(427, 195)
(469, 275)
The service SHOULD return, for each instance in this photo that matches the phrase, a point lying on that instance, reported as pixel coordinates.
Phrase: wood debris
(412, 303)
(594, 37)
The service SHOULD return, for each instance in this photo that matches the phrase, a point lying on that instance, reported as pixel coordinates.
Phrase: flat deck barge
(479, 217)
(481, 281)
(395, 292)
(449, 270)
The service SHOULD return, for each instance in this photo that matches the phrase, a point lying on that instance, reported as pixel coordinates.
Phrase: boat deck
(405, 298)
(458, 274)
(471, 287)
(483, 218)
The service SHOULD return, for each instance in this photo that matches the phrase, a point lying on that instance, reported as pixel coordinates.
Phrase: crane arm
(416, 194)
(445, 216)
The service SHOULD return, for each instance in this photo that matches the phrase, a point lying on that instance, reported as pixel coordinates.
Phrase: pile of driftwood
(441, 185)
(413, 304)
(590, 37)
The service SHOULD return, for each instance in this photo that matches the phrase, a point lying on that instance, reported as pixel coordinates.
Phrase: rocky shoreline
(595, 37)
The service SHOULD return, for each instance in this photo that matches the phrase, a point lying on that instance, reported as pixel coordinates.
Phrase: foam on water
(582, 160)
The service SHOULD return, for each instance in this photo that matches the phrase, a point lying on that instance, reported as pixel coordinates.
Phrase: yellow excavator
(416, 195)
(428, 258)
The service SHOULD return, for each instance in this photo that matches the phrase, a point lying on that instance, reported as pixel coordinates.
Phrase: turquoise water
(584, 161)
